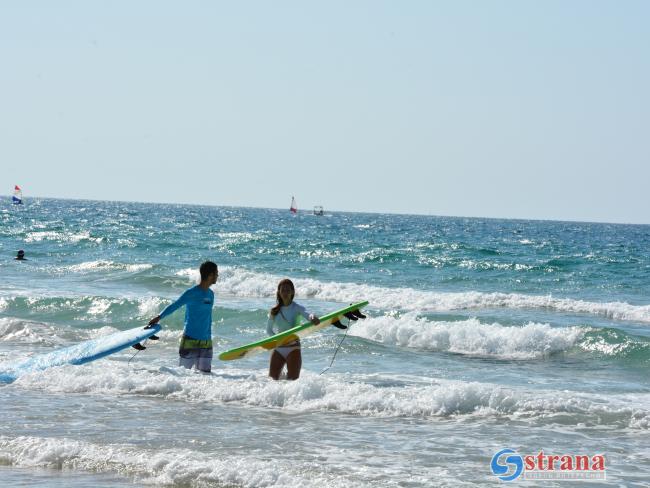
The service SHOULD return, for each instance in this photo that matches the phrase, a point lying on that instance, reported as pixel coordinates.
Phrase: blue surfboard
(81, 353)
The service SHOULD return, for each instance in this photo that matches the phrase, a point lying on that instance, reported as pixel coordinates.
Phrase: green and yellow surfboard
(269, 343)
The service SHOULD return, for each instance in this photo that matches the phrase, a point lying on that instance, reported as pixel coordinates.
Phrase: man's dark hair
(207, 269)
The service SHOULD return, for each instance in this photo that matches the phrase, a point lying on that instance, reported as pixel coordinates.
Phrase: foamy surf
(240, 282)
(469, 337)
(334, 393)
(179, 467)
(104, 266)
(84, 308)
(480, 334)
(28, 332)
(62, 236)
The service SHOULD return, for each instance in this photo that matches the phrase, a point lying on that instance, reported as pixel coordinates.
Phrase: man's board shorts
(195, 353)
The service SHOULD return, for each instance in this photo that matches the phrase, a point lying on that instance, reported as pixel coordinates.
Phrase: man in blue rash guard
(196, 343)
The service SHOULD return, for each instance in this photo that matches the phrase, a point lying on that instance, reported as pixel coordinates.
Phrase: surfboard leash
(352, 316)
(141, 346)
(137, 351)
(347, 329)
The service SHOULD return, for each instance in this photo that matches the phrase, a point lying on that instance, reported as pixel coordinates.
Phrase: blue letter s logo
(502, 469)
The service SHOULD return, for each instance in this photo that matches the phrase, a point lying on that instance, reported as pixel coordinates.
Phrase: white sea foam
(103, 265)
(61, 236)
(192, 273)
(470, 337)
(127, 242)
(241, 282)
(27, 331)
(320, 253)
(485, 265)
(22, 331)
(99, 306)
(340, 393)
(150, 306)
(184, 467)
(90, 307)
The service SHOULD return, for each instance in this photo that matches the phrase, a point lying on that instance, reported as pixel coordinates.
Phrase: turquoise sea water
(482, 334)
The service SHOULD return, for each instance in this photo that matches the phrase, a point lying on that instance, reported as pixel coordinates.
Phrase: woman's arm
(269, 325)
(309, 316)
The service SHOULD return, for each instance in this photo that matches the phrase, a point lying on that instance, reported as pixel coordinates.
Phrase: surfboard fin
(154, 337)
(358, 314)
(339, 325)
(138, 346)
(351, 316)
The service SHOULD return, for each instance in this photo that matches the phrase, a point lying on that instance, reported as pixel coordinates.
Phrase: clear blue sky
(524, 109)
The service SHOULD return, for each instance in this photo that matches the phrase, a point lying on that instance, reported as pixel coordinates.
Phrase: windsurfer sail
(294, 206)
(17, 198)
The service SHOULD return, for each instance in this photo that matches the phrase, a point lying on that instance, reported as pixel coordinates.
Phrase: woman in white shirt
(284, 316)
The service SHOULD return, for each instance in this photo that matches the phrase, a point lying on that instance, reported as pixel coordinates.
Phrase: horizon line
(414, 214)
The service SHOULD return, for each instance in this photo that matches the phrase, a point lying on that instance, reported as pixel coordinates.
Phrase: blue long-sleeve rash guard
(198, 312)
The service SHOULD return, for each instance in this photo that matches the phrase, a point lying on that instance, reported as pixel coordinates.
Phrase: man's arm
(172, 307)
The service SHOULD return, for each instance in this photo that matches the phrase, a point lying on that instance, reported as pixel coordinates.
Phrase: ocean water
(481, 335)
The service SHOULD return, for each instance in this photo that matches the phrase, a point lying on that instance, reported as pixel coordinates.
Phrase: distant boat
(318, 210)
(294, 206)
(17, 199)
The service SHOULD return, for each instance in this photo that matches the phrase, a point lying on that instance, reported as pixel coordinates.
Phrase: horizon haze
(491, 110)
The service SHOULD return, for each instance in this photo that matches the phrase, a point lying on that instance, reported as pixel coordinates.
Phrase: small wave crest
(469, 337)
(336, 393)
(164, 467)
(102, 265)
(62, 236)
(28, 332)
(85, 308)
(615, 343)
(240, 282)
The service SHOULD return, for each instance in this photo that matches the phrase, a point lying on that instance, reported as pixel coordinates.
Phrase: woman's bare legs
(276, 365)
(294, 364)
